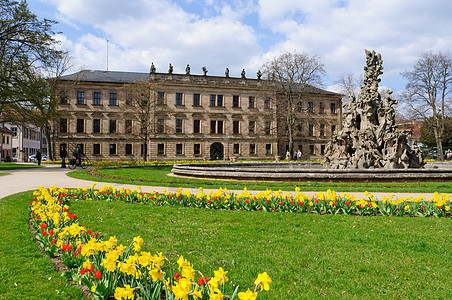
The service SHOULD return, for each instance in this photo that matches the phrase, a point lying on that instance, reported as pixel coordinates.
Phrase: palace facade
(191, 117)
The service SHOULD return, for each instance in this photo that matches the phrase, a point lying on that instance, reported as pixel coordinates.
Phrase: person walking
(63, 154)
(38, 157)
(299, 154)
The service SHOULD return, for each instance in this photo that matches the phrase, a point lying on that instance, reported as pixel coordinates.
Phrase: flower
(248, 295)
(221, 275)
(124, 293)
(263, 280)
(97, 274)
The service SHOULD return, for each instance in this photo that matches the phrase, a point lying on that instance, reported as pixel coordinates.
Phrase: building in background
(27, 139)
(6, 137)
(191, 117)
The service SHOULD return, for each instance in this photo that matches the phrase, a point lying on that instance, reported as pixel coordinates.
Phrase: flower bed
(125, 272)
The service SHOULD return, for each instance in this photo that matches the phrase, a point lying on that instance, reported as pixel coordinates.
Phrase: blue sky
(244, 34)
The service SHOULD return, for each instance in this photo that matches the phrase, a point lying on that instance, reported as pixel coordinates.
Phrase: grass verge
(158, 176)
(25, 273)
(14, 166)
(308, 256)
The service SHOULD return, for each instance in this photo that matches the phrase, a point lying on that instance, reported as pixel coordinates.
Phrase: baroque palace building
(192, 117)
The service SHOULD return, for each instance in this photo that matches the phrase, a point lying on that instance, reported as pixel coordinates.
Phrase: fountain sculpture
(369, 138)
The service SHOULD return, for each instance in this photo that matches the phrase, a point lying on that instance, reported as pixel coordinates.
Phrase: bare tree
(141, 97)
(349, 84)
(294, 74)
(428, 91)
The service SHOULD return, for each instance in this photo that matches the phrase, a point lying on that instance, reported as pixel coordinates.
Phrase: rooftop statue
(204, 70)
(369, 138)
(152, 70)
(226, 72)
(243, 74)
(170, 69)
(187, 70)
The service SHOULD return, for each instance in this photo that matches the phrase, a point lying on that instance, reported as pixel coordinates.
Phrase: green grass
(308, 256)
(158, 176)
(14, 166)
(25, 273)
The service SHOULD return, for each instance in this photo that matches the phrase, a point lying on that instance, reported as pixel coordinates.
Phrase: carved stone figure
(204, 70)
(187, 69)
(226, 73)
(243, 74)
(369, 137)
(259, 74)
(170, 69)
(152, 70)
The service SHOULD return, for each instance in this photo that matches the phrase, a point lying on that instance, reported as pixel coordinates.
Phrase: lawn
(24, 272)
(14, 166)
(158, 176)
(307, 255)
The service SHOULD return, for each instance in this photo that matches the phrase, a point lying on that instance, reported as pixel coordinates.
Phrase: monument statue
(204, 70)
(226, 73)
(152, 68)
(243, 74)
(259, 74)
(369, 137)
(170, 69)
(187, 70)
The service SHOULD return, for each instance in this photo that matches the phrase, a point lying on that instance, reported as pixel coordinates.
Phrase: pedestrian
(288, 155)
(78, 155)
(38, 157)
(63, 154)
(299, 154)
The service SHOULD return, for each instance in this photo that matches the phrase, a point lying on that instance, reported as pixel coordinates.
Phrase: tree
(428, 137)
(294, 74)
(349, 85)
(141, 97)
(26, 46)
(428, 92)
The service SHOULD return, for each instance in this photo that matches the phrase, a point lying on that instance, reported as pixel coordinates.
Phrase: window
(252, 149)
(80, 97)
(96, 125)
(161, 98)
(268, 149)
(236, 149)
(128, 126)
(14, 130)
(236, 127)
(128, 149)
(299, 106)
(322, 149)
(113, 99)
(310, 107)
(311, 149)
(311, 130)
(321, 108)
(63, 97)
(128, 99)
(197, 149)
(216, 126)
(63, 125)
(196, 100)
(96, 98)
(196, 126)
(267, 127)
(160, 149)
(252, 127)
(213, 100)
(96, 149)
(161, 126)
(178, 149)
(179, 97)
(235, 101)
(267, 103)
(299, 127)
(219, 100)
(333, 108)
(333, 129)
(178, 125)
(112, 126)
(251, 102)
(322, 129)
(80, 125)
(112, 149)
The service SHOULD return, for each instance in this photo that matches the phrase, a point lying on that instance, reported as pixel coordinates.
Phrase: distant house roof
(128, 77)
(6, 130)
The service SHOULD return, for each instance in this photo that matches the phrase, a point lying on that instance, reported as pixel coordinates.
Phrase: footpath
(31, 179)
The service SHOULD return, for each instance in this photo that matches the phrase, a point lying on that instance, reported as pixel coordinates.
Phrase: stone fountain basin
(309, 172)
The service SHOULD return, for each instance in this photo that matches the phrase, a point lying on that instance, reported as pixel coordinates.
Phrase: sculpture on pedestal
(369, 137)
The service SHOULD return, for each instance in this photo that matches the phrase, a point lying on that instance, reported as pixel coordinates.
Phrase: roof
(6, 130)
(128, 77)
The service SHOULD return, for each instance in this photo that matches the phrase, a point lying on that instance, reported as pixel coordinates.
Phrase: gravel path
(30, 179)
